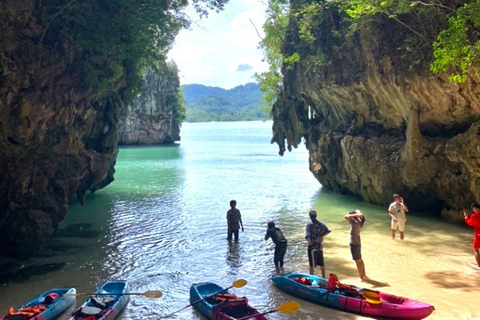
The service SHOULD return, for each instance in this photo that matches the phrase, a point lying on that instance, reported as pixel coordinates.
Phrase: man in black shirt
(280, 245)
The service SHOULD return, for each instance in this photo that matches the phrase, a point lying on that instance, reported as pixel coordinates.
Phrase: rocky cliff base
(57, 140)
(376, 121)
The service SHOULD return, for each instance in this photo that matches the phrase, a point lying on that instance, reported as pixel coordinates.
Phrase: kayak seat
(88, 311)
(102, 302)
(236, 310)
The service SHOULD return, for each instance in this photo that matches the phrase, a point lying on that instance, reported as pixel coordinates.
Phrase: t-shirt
(314, 231)
(355, 228)
(233, 219)
(474, 221)
(276, 235)
(398, 211)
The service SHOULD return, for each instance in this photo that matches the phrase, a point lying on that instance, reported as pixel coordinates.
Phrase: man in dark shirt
(280, 245)
(234, 220)
(314, 234)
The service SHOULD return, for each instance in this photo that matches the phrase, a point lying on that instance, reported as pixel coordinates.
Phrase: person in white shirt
(397, 211)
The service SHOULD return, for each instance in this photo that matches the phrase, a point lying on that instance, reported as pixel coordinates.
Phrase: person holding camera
(397, 212)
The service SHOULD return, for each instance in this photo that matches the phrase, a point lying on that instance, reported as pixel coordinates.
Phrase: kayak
(221, 306)
(46, 306)
(107, 305)
(352, 299)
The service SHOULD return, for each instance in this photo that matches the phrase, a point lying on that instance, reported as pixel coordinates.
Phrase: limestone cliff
(376, 121)
(154, 116)
(57, 139)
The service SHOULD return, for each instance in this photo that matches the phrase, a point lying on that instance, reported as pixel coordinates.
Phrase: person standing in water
(315, 232)
(280, 245)
(474, 221)
(234, 221)
(356, 221)
(397, 211)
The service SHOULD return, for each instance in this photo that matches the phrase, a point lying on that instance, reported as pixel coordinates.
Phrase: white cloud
(211, 52)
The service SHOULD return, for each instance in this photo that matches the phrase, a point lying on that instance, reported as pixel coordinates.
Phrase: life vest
(303, 280)
(230, 300)
(28, 311)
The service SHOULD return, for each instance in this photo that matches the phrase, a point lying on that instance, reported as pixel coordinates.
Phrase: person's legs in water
(280, 251)
(401, 228)
(276, 259)
(476, 253)
(229, 234)
(235, 233)
(394, 228)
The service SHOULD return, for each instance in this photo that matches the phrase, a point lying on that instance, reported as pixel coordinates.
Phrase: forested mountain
(206, 103)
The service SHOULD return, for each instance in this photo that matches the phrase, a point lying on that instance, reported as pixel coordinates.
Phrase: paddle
(371, 296)
(289, 307)
(236, 284)
(149, 294)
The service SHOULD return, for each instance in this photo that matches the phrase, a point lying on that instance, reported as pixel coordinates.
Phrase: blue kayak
(106, 303)
(216, 307)
(46, 306)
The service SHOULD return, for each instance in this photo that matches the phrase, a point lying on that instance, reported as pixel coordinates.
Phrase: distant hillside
(206, 103)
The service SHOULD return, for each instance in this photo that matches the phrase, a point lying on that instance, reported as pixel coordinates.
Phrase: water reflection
(234, 257)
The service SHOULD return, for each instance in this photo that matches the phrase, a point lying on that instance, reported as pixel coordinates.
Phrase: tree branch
(256, 30)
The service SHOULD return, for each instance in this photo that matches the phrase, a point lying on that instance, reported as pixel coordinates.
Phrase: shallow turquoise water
(162, 226)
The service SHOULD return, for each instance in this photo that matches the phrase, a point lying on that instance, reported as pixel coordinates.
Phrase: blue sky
(222, 50)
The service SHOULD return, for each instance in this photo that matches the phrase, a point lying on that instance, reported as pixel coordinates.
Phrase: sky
(222, 50)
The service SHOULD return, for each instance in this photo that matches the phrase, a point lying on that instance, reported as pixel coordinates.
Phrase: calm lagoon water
(162, 226)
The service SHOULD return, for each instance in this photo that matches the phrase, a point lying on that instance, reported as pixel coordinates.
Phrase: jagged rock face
(152, 117)
(56, 140)
(374, 127)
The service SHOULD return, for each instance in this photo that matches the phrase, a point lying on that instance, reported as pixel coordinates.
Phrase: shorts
(356, 250)
(317, 256)
(400, 224)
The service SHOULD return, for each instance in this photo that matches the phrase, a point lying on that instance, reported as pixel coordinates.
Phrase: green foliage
(274, 27)
(455, 50)
(216, 104)
(117, 38)
(308, 18)
(294, 58)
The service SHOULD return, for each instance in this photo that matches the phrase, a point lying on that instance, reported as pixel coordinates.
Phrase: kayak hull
(391, 306)
(54, 309)
(114, 289)
(210, 308)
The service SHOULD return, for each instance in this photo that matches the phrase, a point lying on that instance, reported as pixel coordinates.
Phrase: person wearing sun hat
(397, 211)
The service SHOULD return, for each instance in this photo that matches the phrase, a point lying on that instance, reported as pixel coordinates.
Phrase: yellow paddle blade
(289, 307)
(152, 294)
(239, 283)
(371, 297)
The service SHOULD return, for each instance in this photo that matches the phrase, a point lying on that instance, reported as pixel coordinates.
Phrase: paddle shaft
(194, 303)
(258, 315)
